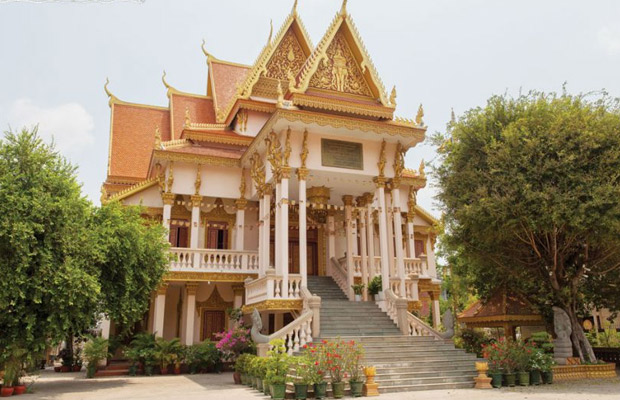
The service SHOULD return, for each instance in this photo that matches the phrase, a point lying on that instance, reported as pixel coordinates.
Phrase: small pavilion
(504, 309)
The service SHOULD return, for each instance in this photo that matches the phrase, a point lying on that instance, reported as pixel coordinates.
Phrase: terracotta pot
(65, 368)
(77, 368)
(163, 371)
(177, 370)
(57, 369)
(19, 389)
(6, 391)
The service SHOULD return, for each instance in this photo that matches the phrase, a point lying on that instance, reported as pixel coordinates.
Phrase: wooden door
(179, 235)
(419, 248)
(217, 235)
(212, 322)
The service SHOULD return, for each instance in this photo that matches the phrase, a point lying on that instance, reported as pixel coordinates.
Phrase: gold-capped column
(348, 219)
(361, 225)
(158, 310)
(241, 204)
(190, 311)
(383, 238)
(399, 164)
(302, 175)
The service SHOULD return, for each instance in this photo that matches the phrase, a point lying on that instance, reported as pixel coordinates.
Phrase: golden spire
(270, 32)
(393, 96)
(294, 11)
(421, 170)
(280, 95)
(157, 137)
(107, 91)
(343, 8)
(419, 116)
(163, 79)
(204, 50)
(187, 119)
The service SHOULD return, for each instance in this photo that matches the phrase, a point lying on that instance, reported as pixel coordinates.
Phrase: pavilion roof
(504, 306)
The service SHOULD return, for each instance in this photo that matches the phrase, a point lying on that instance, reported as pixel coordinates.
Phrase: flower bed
(587, 371)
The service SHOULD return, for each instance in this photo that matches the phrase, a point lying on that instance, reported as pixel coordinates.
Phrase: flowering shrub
(277, 363)
(234, 342)
(316, 363)
(508, 351)
(353, 355)
(494, 355)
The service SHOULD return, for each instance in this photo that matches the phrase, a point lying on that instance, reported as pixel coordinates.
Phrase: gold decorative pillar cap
(196, 200)
(168, 198)
(192, 288)
(161, 290)
(238, 289)
(241, 204)
(285, 173)
(379, 181)
(302, 173)
(347, 199)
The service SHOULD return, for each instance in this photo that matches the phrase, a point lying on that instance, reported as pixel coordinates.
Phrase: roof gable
(341, 63)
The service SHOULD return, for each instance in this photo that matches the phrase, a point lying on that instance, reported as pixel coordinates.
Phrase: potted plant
(507, 351)
(166, 352)
(536, 362)
(493, 355)
(546, 368)
(260, 369)
(95, 350)
(335, 363)
(241, 367)
(316, 367)
(77, 359)
(303, 376)
(353, 354)
(522, 355)
(277, 368)
(144, 346)
(358, 289)
(178, 358)
(374, 287)
(10, 376)
(67, 359)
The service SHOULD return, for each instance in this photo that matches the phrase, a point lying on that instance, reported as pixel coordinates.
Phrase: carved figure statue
(562, 346)
(448, 323)
(339, 70)
(257, 326)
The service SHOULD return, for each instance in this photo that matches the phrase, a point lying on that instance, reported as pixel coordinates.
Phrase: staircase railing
(409, 324)
(339, 274)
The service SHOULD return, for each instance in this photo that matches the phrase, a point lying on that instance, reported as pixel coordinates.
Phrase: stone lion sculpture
(257, 326)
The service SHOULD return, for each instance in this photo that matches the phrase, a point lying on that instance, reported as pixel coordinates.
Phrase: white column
(390, 232)
(158, 313)
(190, 311)
(284, 231)
(370, 235)
(436, 311)
(430, 257)
(383, 238)
(266, 227)
(238, 291)
(410, 237)
(398, 239)
(278, 232)
(195, 227)
(361, 224)
(331, 240)
(240, 224)
(303, 252)
(168, 199)
(348, 223)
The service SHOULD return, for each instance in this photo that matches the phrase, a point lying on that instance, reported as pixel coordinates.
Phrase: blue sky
(442, 53)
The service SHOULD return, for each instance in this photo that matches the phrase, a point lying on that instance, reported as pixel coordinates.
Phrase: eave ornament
(419, 116)
(399, 164)
(198, 181)
(258, 172)
(274, 155)
(170, 177)
(393, 97)
(382, 160)
(157, 138)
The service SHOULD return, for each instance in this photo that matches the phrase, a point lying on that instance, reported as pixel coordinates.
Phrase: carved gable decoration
(214, 302)
(289, 56)
(340, 71)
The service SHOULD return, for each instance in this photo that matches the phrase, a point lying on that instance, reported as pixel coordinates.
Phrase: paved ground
(72, 386)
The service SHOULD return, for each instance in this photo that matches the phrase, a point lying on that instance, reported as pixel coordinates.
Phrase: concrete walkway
(72, 386)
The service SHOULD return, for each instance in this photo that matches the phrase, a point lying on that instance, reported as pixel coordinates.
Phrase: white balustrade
(408, 323)
(414, 266)
(210, 260)
(417, 327)
(339, 274)
(270, 287)
(357, 265)
(296, 334)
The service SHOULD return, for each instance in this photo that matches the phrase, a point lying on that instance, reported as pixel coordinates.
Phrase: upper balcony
(214, 261)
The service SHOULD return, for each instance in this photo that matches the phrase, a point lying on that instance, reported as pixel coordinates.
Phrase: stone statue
(562, 346)
(448, 323)
(257, 326)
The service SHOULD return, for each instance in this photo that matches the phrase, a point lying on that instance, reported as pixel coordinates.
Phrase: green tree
(48, 285)
(530, 190)
(132, 261)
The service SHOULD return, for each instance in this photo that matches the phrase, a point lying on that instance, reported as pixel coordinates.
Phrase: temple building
(281, 182)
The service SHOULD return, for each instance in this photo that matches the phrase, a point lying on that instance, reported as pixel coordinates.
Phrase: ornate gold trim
(191, 288)
(138, 187)
(195, 158)
(217, 138)
(175, 276)
(274, 305)
(378, 111)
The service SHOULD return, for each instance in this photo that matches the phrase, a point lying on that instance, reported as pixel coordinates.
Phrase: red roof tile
(225, 79)
(200, 111)
(133, 138)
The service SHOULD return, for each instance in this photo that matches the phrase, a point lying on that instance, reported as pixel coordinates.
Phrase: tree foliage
(132, 262)
(62, 261)
(530, 189)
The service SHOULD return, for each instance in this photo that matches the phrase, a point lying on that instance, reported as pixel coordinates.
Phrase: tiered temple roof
(335, 78)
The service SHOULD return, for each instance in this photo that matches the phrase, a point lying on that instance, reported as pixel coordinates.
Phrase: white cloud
(70, 125)
(609, 39)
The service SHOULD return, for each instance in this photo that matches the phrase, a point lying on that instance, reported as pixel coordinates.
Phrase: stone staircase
(403, 363)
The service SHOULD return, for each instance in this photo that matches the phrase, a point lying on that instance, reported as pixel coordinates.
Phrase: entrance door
(179, 234)
(212, 322)
(217, 235)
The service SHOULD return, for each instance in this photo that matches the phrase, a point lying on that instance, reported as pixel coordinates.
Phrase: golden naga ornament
(170, 177)
(287, 148)
(157, 138)
(399, 162)
(304, 149)
(187, 117)
(198, 181)
(421, 170)
(382, 160)
(242, 185)
(419, 117)
(393, 96)
(280, 101)
(258, 171)
(274, 155)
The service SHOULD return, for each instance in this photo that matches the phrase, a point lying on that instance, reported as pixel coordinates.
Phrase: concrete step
(421, 369)
(430, 386)
(112, 372)
(427, 380)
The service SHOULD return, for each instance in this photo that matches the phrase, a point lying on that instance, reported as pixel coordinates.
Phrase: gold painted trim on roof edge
(206, 276)
(217, 138)
(132, 190)
(377, 111)
(195, 158)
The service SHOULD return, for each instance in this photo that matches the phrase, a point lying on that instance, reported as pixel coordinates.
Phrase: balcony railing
(413, 266)
(271, 286)
(211, 260)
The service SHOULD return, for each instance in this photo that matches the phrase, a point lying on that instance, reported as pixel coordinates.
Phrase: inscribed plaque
(341, 154)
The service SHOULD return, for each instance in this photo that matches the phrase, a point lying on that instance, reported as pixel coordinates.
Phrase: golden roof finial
(280, 95)
(343, 8)
(163, 79)
(157, 137)
(452, 117)
(421, 170)
(107, 91)
(393, 96)
(187, 118)
(270, 32)
(204, 50)
(419, 116)
(294, 11)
